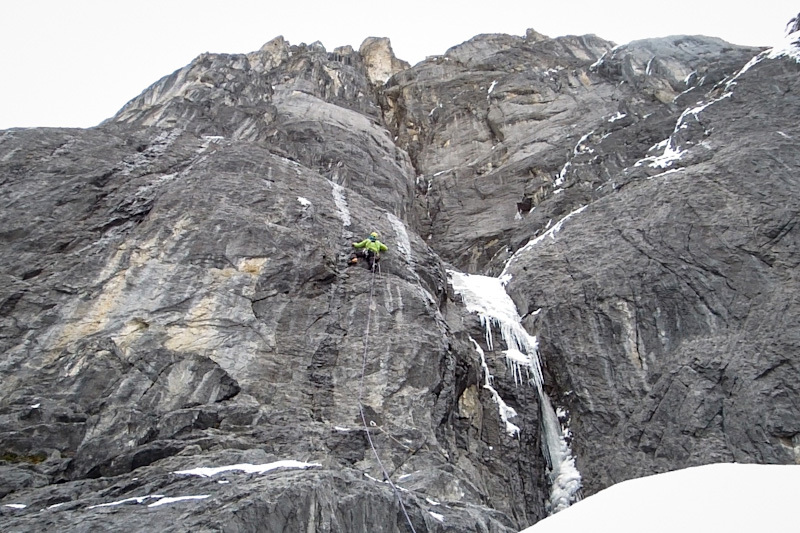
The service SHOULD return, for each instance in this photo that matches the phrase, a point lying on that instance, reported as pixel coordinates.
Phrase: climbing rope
(361, 405)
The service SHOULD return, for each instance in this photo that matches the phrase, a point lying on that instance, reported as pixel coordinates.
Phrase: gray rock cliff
(176, 292)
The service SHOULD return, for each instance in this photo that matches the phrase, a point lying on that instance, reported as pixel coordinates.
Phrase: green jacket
(375, 246)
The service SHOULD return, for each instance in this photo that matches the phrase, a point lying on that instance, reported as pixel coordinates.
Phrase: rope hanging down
(361, 405)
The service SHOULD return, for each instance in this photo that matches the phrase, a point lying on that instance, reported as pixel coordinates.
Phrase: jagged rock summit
(591, 277)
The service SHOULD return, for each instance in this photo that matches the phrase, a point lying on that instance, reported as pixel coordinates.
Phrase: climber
(370, 249)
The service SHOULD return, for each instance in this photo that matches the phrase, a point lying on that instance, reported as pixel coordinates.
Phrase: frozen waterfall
(487, 297)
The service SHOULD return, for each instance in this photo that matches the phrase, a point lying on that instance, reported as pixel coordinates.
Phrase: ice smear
(247, 468)
(403, 243)
(341, 203)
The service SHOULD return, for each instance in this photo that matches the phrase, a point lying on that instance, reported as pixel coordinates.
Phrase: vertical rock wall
(176, 291)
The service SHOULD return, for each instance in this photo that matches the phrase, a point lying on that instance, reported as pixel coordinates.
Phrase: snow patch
(208, 140)
(491, 88)
(303, 201)
(437, 516)
(533, 242)
(562, 175)
(670, 156)
(15, 505)
(385, 482)
(648, 70)
(670, 171)
(789, 47)
(137, 500)
(166, 501)
(579, 146)
(247, 468)
(597, 63)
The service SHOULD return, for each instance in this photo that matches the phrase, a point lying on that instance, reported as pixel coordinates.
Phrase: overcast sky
(76, 62)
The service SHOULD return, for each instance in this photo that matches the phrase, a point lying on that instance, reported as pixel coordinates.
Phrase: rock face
(176, 293)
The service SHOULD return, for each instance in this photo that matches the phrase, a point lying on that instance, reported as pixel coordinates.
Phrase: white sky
(729, 498)
(76, 62)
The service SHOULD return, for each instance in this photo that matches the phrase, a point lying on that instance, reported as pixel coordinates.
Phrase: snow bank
(735, 498)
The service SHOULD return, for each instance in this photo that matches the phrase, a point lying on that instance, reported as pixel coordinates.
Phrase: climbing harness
(361, 405)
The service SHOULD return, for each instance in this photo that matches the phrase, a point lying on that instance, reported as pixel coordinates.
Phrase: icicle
(503, 409)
